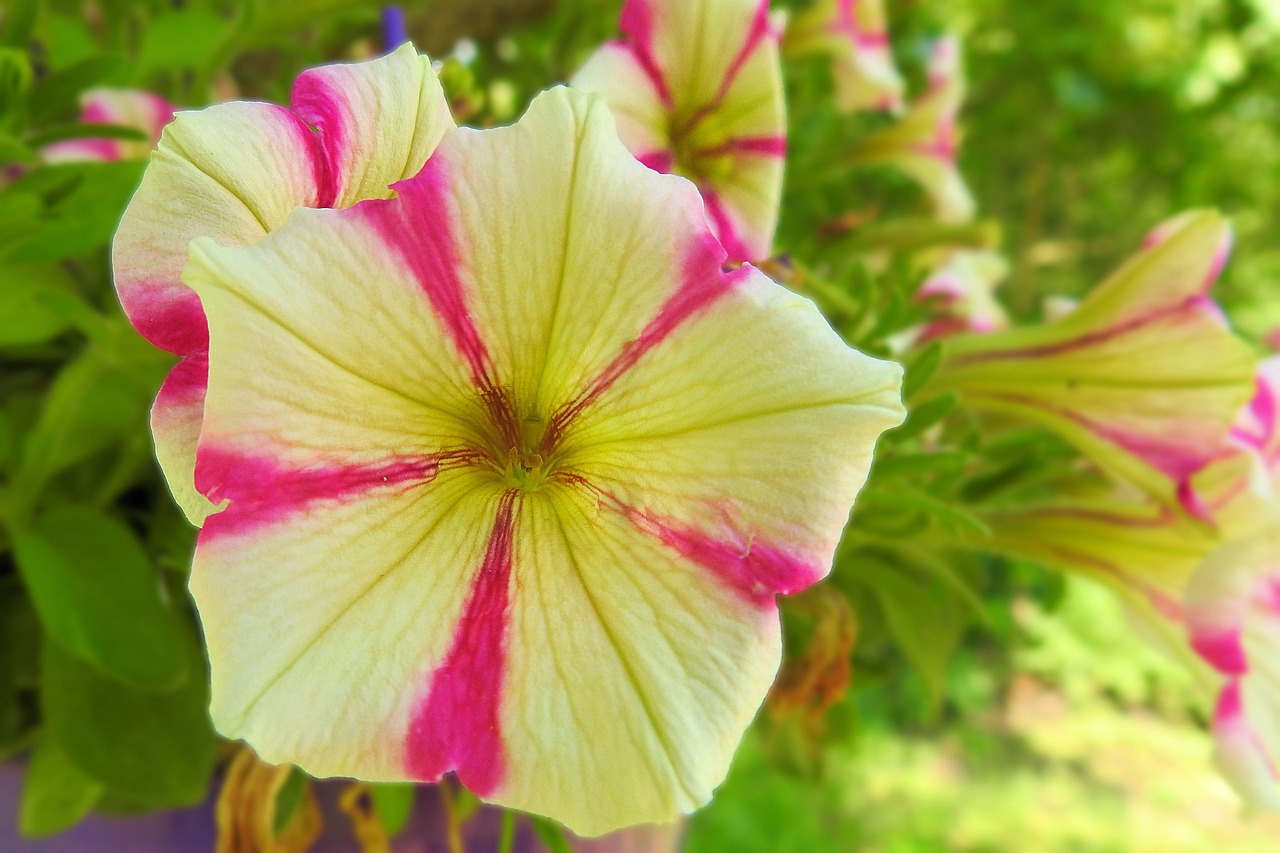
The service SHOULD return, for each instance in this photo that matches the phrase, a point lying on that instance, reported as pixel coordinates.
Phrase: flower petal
(378, 121)
(233, 172)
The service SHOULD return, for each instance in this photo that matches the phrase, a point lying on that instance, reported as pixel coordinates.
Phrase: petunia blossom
(513, 471)
(696, 88)
(1144, 377)
(1233, 613)
(962, 289)
(233, 172)
(924, 142)
(143, 111)
(855, 35)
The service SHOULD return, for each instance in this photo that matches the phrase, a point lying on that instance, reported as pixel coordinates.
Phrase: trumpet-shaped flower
(1233, 613)
(233, 172)
(696, 89)
(143, 111)
(855, 34)
(1145, 551)
(963, 289)
(923, 143)
(1143, 377)
(513, 473)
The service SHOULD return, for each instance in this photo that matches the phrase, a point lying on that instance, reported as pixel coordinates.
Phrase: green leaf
(910, 464)
(85, 130)
(154, 748)
(20, 20)
(84, 571)
(551, 834)
(926, 619)
(185, 39)
(58, 95)
(923, 416)
(83, 203)
(55, 795)
(25, 318)
(288, 798)
(394, 804)
(921, 369)
(901, 497)
(90, 405)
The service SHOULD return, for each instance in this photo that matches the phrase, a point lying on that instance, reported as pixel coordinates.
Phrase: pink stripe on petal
(724, 228)
(262, 492)
(770, 146)
(181, 397)
(458, 726)
(756, 571)
(658, 161)
(1191, 501)
(636, 22)
(417, 226)
(168, 315)
(703, 284)
(318, 102)
(1222, 648)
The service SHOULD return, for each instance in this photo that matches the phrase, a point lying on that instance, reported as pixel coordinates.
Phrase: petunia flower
(1143, 377)
(923, 143)
(696, 88)
(1144, 551)
(855, 34)
(1233, 613)
(131, 108)
(962, 289)
(233, 172)
(513, 471)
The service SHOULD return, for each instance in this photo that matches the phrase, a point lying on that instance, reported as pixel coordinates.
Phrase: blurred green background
(1035, 720)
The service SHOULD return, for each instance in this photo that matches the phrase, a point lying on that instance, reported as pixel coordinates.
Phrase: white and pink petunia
(923, 144)
(696, 88)
(510, 470)
(855, 35)
(233, 172)
(962, 292)
(143, 111)
(1143, 376)
(1233, 615)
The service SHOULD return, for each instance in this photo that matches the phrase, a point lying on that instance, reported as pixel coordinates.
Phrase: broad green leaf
(927, 620)
(98, 596)
(83, 203)
(24, 317)
(58, 95)
(20, 20)
(152, 748)
(90, 405)
(55, 795)
(394, 804)
(182, 39)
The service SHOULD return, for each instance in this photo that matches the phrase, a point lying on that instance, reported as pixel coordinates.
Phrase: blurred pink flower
(139, 110)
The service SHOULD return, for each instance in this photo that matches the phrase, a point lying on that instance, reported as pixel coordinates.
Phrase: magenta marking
(181, 397)
(756, 571)
(726, 232)
(702, 284)
(636, 22)
(319, 102)
(1223, 649)
(458, 726)
(418, 227)
(1229, 710)
(1192, 502)
(769, 146)
(658, 161)
(942, 147)
(1100, 336)
(170, 316)
(262, 493)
